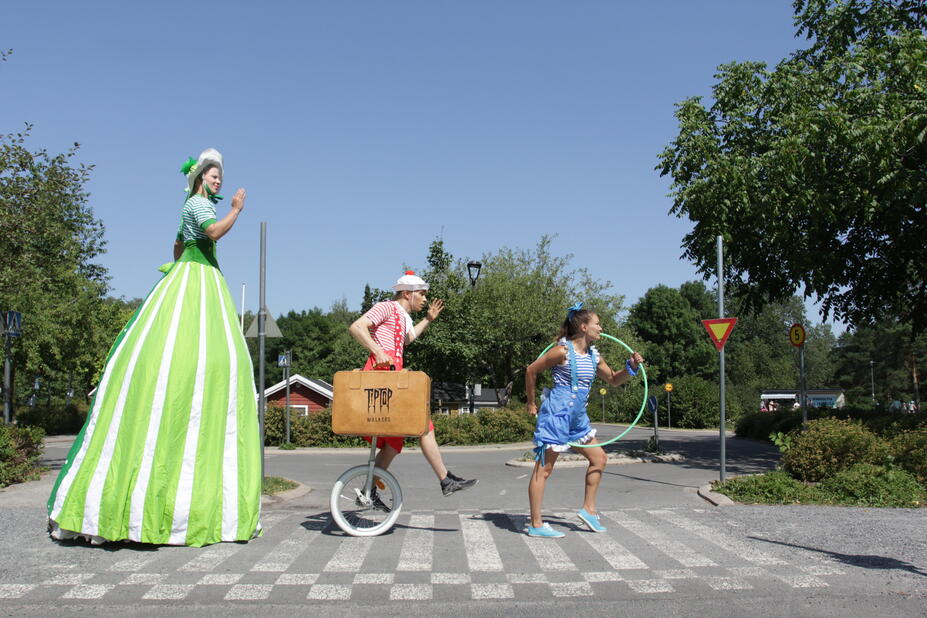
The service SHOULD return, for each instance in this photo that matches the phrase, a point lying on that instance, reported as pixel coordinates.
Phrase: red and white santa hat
(410, 282)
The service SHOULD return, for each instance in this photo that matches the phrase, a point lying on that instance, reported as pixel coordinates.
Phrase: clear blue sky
(362, 130)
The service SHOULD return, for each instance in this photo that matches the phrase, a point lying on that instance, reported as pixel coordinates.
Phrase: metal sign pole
(669, 410)
(286, 376)
(803, 397)
(721, 357)
(261, 336)
(7, 381)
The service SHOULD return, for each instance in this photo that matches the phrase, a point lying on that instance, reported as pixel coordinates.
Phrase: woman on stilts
(170, 453)
(562, 419)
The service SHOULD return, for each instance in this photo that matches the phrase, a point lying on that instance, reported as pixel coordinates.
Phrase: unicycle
(366, 499)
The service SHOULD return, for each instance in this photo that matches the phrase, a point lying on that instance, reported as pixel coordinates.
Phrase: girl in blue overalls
(562, 418)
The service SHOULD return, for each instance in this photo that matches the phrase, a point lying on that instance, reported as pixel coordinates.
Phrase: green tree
(372, 296)
(813, 172)
(702, 301)
(894, 355)
(50, 240)
(676, 341)
(491, 331)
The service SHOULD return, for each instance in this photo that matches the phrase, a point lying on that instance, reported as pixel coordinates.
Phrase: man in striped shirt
(385, 330)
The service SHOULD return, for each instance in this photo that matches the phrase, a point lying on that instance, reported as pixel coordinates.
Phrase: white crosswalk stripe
(674, 549)
(350, 556)
(730, 544)
(481, 555)
(287, 551)
(549, 555)
(418, 544)
(611, 550)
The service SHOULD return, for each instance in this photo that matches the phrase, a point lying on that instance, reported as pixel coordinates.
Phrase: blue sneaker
(590, 520)
(545, 531)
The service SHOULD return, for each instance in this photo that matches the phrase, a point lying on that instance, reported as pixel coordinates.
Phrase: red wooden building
(306, 394)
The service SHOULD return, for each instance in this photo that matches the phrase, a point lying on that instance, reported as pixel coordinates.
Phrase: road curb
(714, 497)
(286, 496)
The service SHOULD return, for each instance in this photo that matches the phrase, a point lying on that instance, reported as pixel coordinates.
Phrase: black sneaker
(375, 502)
(378, 504)
(452, 483)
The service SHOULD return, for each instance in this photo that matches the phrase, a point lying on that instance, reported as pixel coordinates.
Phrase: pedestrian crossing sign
(12, 323)
(719, 330)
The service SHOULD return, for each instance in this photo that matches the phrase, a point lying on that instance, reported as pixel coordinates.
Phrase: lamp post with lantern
(473, 272)
(12, 327)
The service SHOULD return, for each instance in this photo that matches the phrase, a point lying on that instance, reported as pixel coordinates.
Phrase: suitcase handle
(401, 382)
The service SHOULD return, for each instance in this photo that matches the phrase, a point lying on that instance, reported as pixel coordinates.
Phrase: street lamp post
(872, 380)
(473, 272)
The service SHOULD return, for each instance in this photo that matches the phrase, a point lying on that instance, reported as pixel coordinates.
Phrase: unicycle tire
(354, 513)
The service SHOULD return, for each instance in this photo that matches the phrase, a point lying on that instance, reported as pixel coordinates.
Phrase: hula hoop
(643, 403)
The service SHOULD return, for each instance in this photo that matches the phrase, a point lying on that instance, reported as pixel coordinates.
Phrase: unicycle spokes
(360, 513)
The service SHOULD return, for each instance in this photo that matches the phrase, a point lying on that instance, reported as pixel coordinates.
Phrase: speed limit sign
(797, 335)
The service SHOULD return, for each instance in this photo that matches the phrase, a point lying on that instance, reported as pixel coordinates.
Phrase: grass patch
(770, 488)
(275, 484)
(861, 485)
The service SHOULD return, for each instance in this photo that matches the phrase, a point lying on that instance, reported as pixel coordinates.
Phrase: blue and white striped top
(198, 214)
(585, 368)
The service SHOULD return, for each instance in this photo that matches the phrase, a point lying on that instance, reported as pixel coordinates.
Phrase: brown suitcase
(381, 403)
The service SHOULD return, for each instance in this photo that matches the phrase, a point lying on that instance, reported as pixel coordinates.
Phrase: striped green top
(198, 214)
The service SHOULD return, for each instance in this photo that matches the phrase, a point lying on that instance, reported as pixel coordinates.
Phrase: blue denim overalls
(562, 417)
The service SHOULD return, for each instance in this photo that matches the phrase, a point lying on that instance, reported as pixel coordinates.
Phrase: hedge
(486, 427)
(55, 420)
(20, 449)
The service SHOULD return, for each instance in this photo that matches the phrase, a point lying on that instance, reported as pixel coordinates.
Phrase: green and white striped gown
(170, 452)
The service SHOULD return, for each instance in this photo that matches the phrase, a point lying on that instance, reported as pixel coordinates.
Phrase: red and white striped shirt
(384, 315)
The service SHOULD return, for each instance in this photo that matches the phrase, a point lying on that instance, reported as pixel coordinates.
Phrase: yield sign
(719, 330)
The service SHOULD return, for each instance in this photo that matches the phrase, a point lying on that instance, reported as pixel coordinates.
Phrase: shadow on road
(865, 561)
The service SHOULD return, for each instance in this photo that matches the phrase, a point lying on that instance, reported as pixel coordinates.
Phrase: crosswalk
(435, 555)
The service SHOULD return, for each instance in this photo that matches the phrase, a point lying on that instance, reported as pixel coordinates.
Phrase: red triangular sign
(719, 330)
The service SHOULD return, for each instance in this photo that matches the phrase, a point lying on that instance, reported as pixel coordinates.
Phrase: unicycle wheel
(361, 514)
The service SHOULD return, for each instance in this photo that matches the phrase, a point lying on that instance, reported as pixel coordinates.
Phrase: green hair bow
(187, 166)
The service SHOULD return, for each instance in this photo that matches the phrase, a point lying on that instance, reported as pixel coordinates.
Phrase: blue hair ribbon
(577, 307)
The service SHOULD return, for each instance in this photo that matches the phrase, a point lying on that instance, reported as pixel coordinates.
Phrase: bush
(696, 403)
(312, 430)
(500, 426)
(887, 425)
(622, 403)
(56, 420)
(20, 448)
(909, 451)
(771, 488)
(486, 427)
(828, 446)
(870, 485)
(759, 425)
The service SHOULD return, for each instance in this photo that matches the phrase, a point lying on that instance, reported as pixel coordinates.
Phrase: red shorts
(394, 441)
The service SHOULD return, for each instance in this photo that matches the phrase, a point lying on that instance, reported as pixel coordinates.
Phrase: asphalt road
(666, 551)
